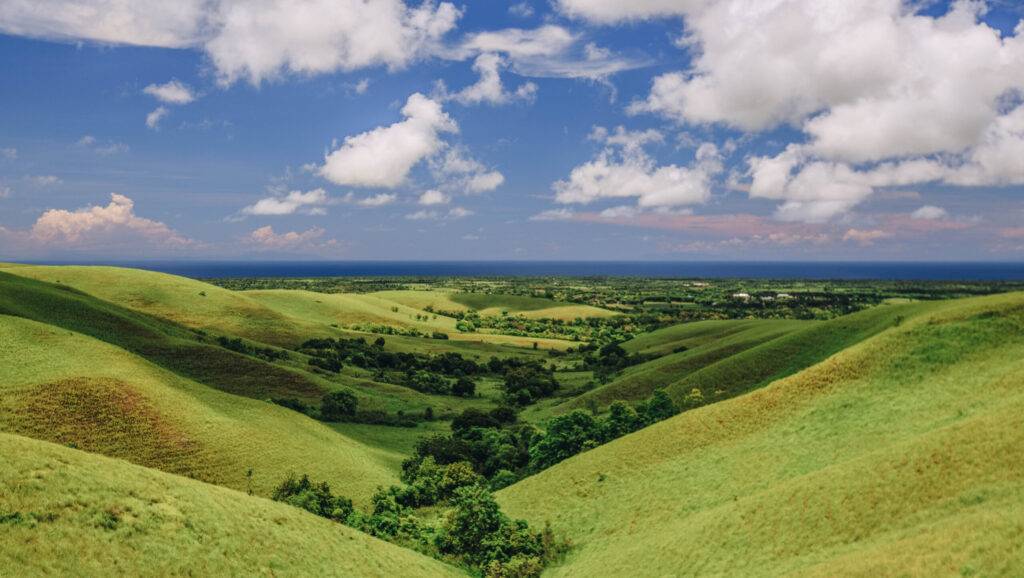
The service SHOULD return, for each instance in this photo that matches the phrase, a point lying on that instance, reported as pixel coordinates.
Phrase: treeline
(449, 373)
(473, 531)
(503, 450)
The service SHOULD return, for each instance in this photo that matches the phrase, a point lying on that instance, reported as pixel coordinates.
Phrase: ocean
(916, 271)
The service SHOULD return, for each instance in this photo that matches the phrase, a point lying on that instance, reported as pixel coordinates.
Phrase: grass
(282, 318)
(710, 342)
(899, 456)
(531, 307)
(67, 512)
(68, 388)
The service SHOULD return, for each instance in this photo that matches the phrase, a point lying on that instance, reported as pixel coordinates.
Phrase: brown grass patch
(109, 417)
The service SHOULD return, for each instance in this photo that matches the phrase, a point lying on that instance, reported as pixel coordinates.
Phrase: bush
(291, 403)
(315, 498)
(464, 387)
(338, 406)
(566, 436)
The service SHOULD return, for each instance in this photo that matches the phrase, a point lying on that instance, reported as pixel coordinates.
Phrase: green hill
(493, 304)
(900, 456)
(69, 513)
(708, 343)
(68, 388)
(283, 318)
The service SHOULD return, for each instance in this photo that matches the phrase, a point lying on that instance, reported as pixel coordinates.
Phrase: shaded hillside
(898, 456)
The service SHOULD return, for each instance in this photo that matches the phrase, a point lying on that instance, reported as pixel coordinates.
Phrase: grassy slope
(718, 343)
(119, 519)
(899, 456)
(493, 304)
(284, 318)
(70, 388)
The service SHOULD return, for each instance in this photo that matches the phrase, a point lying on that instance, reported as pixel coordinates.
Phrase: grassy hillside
(119, 519)
(68, 388)
(283, 318)
(493, 304)
(708, 343)
(899, 456)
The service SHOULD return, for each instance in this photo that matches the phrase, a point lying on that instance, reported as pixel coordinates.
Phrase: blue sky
(573, 129)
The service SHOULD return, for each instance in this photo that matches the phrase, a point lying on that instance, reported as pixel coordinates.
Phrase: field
(898, 456)
(105, 517)
(874, 436)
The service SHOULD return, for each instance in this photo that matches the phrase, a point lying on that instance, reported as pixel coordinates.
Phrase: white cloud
(929, 213)
(865, 237)
(460, 172)
(9, 153)
(378, 200)
(253, 40)
(422, 215)
(362, 86)
(623, 169)
(384, 156)
(5, 191)
(96, 225)
(257, 40)
(611, 11)
(171, 92)
(489, 89)
(547, 40)
(521, 9)
(554, 215)
(265, 238)
(294, 201)
(86, 141)
(111, 148)
(44, 180)
(459, 213)
(153, 118)
(434, 197)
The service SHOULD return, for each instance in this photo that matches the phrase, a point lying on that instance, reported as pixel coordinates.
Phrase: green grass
(69, 513)
(709, 342)
(899, 456)
(68, 388)
(283, 318)
(532, 307)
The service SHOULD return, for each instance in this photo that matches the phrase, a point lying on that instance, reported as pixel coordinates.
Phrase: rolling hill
(282, 318)
(493, 304)
(899, 456)
(69, 388)
(67, 512)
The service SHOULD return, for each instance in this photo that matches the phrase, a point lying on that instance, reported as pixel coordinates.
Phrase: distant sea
(918, 271)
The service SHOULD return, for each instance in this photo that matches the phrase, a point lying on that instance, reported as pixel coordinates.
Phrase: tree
(566, 436)
(464, 387)
(694, 399)
(658, 407)
(315, 498)
(338, 406)
(622, 419)
(474, 517)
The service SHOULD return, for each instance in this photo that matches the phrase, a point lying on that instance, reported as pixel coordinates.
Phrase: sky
(488, 130)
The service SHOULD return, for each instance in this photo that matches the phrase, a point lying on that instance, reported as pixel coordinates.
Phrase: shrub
(566, 436)
(314, 498)
(291, 403)
(338, 406)
(464, 387)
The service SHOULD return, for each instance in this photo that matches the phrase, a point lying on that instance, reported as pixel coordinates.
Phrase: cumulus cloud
(254, 40)
(434, 197)
(425, 214)
(384, 156)
(158, 114)
(378, 200)
(865, 237)
(623, 169)
(295, 201)
(521, 9)
(490, 89)
(265, 238)
(96, 224)
(171, 92)
(884, 95)
(554, 215)
(929, 213)
(457, 171)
